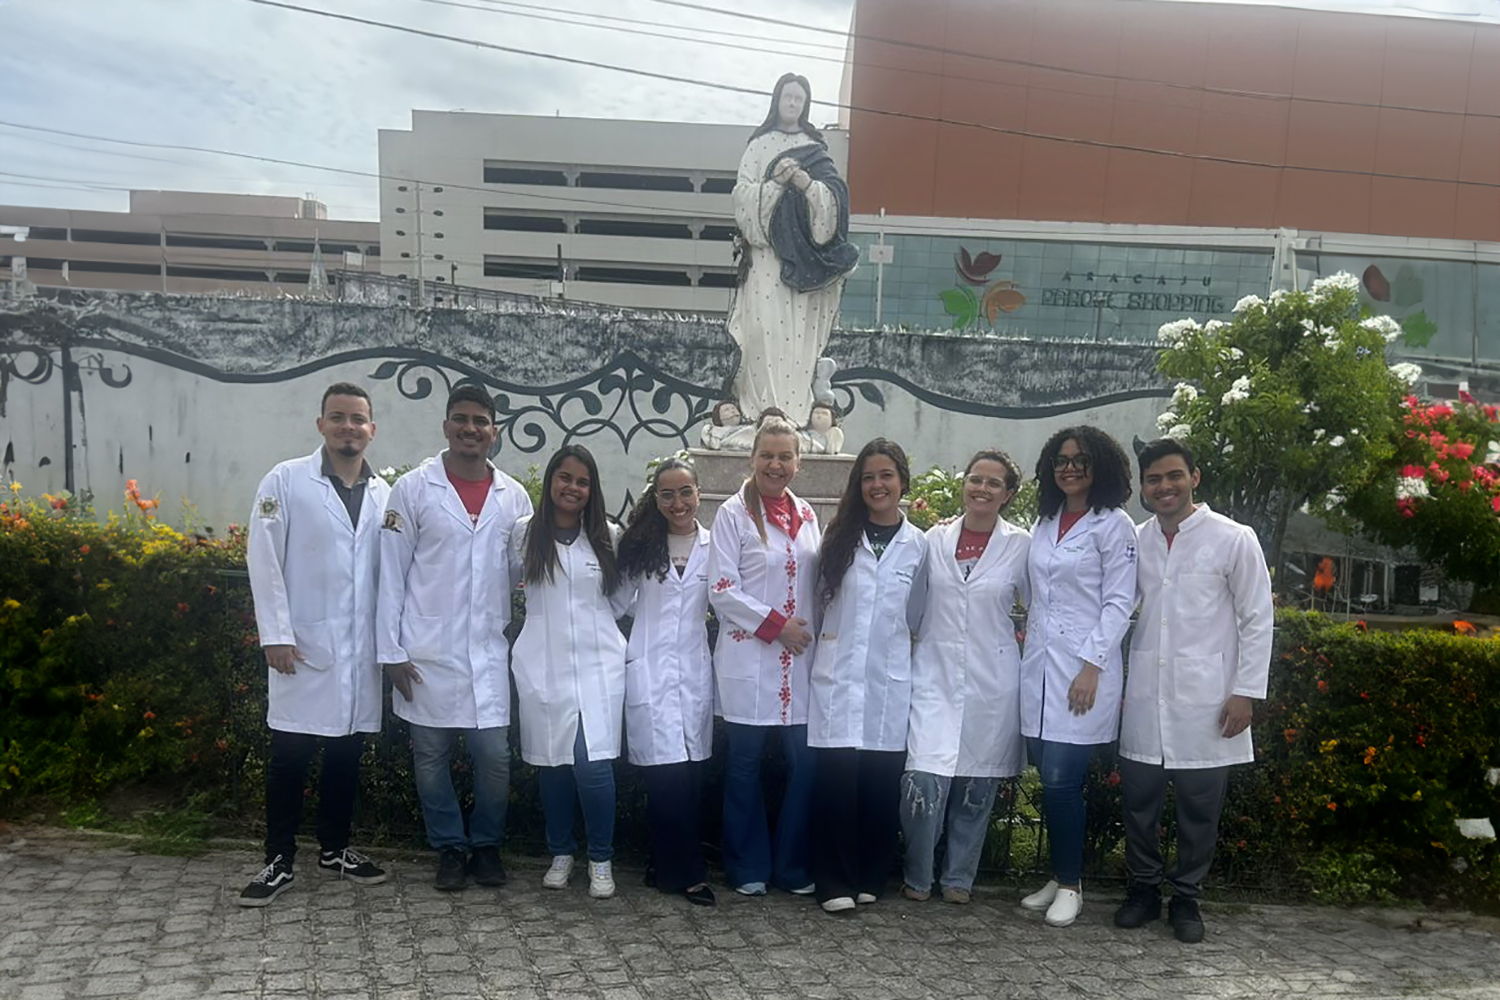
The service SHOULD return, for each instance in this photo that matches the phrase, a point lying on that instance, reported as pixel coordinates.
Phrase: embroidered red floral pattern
(724, 584)
(789, 608)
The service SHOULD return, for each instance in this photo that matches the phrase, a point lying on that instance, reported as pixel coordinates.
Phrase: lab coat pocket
(424, 638)
(1198, 680)
(637, 682)
(316, 644)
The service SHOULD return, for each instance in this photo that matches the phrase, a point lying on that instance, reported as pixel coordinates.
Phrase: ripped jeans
(925, 804)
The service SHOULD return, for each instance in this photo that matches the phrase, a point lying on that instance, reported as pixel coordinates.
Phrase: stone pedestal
(820, 481)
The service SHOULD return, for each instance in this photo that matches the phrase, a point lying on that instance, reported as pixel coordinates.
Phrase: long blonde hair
(748, 493)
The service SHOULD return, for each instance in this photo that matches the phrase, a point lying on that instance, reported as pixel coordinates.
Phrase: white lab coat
(966, 672)
(669, 677)
(445, 588)
(313, 577)
(761, 683)
(1204, 634)
(1082, 594)
(569, 659)
(860, 684)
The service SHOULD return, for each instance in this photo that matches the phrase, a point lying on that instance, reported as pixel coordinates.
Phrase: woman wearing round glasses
(1082, 570)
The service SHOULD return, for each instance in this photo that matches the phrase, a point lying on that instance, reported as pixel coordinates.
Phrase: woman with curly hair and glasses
(1082, 569)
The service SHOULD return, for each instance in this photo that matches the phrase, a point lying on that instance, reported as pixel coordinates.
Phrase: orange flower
(1322, 687)
(1333, 806)
(1370, 755)
(1290, 734)
(1464, 628)
(83, 549)
(1323, 579)
(149, 715)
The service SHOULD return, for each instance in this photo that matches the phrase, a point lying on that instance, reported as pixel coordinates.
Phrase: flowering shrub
(1286, 404)
(1440, 489)
(115, 643)
(938, 494)
(1374, 744)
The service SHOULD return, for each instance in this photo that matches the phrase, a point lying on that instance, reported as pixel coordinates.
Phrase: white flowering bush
(1288, 405)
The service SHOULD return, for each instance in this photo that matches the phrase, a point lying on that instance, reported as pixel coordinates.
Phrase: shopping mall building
(1087, 169)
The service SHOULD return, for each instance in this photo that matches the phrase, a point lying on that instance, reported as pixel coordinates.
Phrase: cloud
(233, 75)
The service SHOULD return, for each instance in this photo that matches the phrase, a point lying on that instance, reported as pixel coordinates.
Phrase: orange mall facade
(1094, 168)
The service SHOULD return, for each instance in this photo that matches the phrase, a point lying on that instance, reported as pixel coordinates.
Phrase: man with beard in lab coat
(446, 575)
(1200, 655)
(313, 555)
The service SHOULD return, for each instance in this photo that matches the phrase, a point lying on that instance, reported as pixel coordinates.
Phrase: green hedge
(128, 658)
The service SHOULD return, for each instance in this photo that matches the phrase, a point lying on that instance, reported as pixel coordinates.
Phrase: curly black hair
(1110, 468)
(643, 546)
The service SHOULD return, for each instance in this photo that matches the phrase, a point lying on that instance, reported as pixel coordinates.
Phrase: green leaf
(1417, 330)
(962, 305)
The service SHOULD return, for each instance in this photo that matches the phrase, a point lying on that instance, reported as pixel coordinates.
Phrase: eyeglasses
(982, 482)
(1079, 462)
(686, 493)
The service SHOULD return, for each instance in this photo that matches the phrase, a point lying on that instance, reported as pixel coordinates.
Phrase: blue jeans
(748, 852)
(590, 783)
(1062, 767)
(925, 804)
(432, 757)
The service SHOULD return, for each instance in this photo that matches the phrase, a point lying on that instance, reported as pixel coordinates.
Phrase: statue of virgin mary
(792, 209)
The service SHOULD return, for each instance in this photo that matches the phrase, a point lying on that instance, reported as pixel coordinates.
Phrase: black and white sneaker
(352, 865)
(273, 880)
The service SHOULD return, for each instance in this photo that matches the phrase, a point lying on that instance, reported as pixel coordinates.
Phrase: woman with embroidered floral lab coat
(763, 563)
(1083, 567)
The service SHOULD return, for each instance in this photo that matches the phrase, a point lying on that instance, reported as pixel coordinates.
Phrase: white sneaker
(1041, 899)
(557, 876)
(601, 879)
(838, 904)
(865, 898)
(1064, 909)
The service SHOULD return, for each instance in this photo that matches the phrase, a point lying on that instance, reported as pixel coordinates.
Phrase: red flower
(1113, 779)
(1333, 805)
(84, 549)
(149, 715)
(1495, 503)
(1462, 449)
(1362, 626)
(1414, 472)
(1492, 413)
(1322, 687)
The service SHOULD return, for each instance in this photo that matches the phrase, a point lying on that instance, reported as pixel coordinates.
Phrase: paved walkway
(78, 919)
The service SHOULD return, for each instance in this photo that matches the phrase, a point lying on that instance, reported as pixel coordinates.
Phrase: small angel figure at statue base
(823, 435)
(727, 429)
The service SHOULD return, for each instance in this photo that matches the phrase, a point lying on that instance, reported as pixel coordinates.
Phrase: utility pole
(421, 285)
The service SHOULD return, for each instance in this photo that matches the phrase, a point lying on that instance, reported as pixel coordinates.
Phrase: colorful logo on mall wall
(976, 298)
(1402, 300)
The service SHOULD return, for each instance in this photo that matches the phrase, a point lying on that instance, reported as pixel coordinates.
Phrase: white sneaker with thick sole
(1064, 909)
(601, 879)
(1041, 899)
(838, 904)
(557, 876)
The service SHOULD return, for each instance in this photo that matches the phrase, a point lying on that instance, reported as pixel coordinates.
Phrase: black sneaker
(274, 879)
(453, 870)
(486, 866)
(1187, 923)
(351, 865)
(1142, 905)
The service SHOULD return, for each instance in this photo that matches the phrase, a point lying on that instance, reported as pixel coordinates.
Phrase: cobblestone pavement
(78, 919)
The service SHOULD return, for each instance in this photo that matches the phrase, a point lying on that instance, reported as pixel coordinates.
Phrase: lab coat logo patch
(392, 521)
(268, 508)
(1130, 553)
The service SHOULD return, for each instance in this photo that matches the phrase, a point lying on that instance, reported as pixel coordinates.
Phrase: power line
(911, 116)
(1052, 67)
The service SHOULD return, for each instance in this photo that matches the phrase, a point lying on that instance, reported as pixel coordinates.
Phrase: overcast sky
(228, 74)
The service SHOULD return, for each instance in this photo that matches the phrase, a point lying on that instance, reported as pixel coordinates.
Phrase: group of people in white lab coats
(882, 663)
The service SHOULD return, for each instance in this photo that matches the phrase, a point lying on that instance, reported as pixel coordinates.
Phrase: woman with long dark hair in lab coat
(869, 575)
(1083, 566)
(669, 680)
(569, 663)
